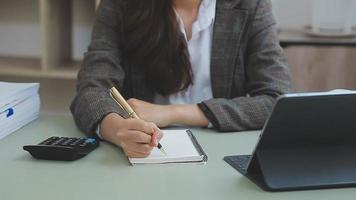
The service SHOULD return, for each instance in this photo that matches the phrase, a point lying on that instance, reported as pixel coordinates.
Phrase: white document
(15, 91)
(19, 105)
(180, 146)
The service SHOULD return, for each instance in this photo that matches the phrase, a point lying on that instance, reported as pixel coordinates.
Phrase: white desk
(105, 173)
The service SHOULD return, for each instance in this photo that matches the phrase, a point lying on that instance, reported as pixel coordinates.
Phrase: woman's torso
(199, 47)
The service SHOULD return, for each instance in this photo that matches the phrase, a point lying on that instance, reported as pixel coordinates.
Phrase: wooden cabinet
(322, 68)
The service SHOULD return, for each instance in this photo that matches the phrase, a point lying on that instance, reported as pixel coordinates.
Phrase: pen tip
(163, 151)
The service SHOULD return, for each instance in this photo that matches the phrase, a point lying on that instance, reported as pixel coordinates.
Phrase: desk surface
(106, 173)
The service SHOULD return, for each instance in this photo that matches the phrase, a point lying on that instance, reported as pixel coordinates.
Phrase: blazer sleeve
(267, 77)
(100, 71)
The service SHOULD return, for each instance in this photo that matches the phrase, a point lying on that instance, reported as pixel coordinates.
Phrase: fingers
(137, 137)
(136, 150)
(140, 125)
(156, 135)
(142, 148)
(159, 135)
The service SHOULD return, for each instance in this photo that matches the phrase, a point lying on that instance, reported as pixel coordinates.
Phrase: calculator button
(90, 141)
(48, 141)
(75, 142)
(66, 141)
(80, 142)
(58, 142)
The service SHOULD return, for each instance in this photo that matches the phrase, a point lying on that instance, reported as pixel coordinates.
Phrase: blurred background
(44, 41)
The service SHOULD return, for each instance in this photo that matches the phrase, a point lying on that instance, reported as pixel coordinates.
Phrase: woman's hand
(161, 115)
(136, 137)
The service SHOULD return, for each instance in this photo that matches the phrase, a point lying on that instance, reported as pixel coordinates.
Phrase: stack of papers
(19, 105)
(181, 147)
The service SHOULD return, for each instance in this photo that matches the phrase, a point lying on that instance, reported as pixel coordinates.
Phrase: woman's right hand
(136, 137)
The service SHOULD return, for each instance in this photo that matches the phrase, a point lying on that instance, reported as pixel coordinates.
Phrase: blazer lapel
(228, 28)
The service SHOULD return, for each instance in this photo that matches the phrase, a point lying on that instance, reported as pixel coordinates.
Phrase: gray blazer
(248, 68)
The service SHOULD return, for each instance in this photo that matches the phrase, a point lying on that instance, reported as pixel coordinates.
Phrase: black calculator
(63, 148)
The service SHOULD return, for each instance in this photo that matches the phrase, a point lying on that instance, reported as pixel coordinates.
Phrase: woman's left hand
(161, 115)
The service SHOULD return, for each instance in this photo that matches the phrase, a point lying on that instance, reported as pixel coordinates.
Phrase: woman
(200, 63)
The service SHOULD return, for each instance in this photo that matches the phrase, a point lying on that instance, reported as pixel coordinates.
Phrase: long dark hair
(153, 41)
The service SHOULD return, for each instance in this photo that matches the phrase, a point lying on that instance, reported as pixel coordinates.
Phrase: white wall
(83, 19)
(296, 13)
(20, 27)
(20, 32)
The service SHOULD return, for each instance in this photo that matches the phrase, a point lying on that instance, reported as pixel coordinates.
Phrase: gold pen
(119, 99)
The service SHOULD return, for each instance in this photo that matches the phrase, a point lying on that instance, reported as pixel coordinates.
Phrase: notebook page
(178, 146)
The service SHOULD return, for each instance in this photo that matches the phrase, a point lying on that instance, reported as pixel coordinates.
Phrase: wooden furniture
(322, 68)
(300, 38)
(319, 64)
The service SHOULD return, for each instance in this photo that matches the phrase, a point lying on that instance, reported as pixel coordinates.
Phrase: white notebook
(181, 147)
